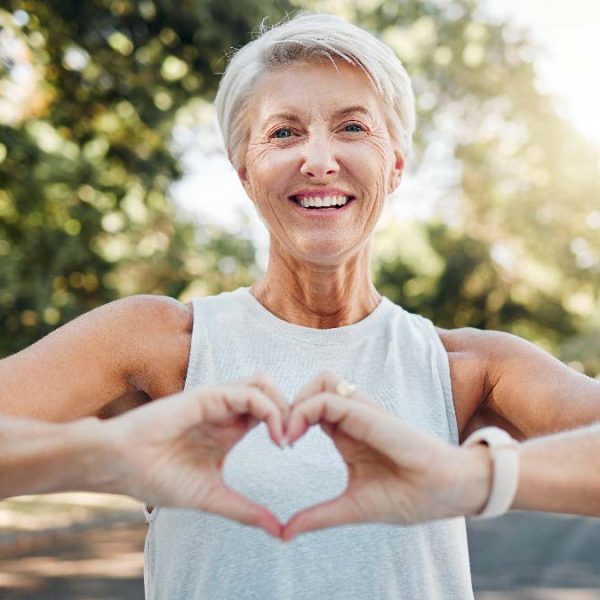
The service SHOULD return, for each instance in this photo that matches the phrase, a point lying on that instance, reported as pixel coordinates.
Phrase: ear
(243, 175)
(397, 171)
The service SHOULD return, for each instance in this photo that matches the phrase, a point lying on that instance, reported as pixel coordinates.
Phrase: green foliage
(85, 157)
(465, 287)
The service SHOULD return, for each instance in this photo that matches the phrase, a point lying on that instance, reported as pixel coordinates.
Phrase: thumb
(338, 511)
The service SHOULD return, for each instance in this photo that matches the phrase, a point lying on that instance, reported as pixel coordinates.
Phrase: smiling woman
(318, 137)
(317, 115)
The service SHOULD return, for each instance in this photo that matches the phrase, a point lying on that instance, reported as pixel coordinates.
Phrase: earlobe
(397, 171)
(243, 175)
(399, 166)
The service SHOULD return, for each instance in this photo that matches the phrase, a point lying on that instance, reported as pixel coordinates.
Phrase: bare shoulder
(485, 345)
(158, 331)
(495, 351)
(156, 335)
(501, 379)
(152, 311)
(136, 345)
(131, 327)
(469, 359)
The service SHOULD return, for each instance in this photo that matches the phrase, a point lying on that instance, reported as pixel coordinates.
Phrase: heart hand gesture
(396, 473)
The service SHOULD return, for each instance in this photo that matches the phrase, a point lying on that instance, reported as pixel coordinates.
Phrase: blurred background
(113, 182)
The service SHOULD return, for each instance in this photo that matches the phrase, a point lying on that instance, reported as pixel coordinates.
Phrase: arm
(169, 453)
(561, 473)
(401, 474)
(138, 344)
(557, 473)
(500, 379)
(40, 457)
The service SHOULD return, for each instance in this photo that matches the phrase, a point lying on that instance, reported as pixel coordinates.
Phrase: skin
(400, 474)
(319, 270)
(176, 464)
(397, 473)
(137, 349)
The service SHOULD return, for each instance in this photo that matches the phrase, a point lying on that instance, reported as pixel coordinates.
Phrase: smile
(320, 202)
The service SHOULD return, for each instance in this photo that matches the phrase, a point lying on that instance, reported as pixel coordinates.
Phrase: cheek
(268, 170)
(371, 165)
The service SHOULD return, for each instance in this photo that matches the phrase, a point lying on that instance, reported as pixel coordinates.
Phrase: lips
(321, 198)
(321, 202)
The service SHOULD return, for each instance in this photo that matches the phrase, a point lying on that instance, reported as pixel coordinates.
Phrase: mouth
(322, 202)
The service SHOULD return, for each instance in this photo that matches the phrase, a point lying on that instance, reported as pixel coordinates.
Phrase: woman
(317, 117)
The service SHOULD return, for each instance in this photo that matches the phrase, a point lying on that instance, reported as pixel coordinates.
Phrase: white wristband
(505, 470)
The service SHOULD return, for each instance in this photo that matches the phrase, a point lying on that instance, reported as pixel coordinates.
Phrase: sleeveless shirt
(397, 361)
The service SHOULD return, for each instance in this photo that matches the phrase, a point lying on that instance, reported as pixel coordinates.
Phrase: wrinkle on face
(323, 149)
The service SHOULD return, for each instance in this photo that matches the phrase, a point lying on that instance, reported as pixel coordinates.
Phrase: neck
(316, 295)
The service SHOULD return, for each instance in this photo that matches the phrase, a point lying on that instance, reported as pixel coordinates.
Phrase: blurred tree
(89, 93)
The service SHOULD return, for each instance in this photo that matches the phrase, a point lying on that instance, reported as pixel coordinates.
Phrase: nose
(319, 161)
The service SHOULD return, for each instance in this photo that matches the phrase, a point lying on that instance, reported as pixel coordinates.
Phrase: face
(318, 136)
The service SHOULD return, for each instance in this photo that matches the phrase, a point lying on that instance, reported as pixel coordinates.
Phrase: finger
(339, 511)
(328, 428)
(227, 503)
(323, 382)
(323, 407)
(327, 381)
(264, 382)
(245, 400)
(366, 423)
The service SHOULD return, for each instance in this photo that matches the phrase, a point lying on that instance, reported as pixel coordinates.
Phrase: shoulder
(148, 338)
(115, 323)
(137, 344)
(158, 330)
(154, 311)
(491, 349)
(501, 379)
(476, 360)
(486, 353)
(484, 345)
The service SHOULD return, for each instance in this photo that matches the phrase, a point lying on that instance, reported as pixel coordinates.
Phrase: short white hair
(305, 38)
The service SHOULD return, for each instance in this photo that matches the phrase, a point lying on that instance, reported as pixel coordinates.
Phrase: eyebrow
(293, 117)
(352, 109)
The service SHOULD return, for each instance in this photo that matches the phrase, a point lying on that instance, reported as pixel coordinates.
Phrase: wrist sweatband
(505, 469)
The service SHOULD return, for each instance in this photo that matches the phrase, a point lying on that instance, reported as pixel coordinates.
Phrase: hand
(396, 473)
(171, 452)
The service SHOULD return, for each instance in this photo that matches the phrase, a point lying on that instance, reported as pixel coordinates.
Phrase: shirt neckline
(323, 337)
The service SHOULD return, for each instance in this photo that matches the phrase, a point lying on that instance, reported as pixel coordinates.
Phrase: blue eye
(282, 133)
(356, 127)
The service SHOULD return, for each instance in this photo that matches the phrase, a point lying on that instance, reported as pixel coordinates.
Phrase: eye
(353, 128)
(284, 132)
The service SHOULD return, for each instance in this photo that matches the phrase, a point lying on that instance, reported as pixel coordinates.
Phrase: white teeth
(322, 202)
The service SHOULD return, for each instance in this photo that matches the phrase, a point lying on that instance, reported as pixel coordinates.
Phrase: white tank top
(397, 360)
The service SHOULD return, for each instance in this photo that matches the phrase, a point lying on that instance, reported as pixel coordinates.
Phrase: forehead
(320, 88)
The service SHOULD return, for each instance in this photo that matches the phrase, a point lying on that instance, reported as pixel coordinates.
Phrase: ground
(90, 547)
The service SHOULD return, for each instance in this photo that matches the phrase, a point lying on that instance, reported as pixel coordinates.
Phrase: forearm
(557, 473)
(561, 473)
(39, 457)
